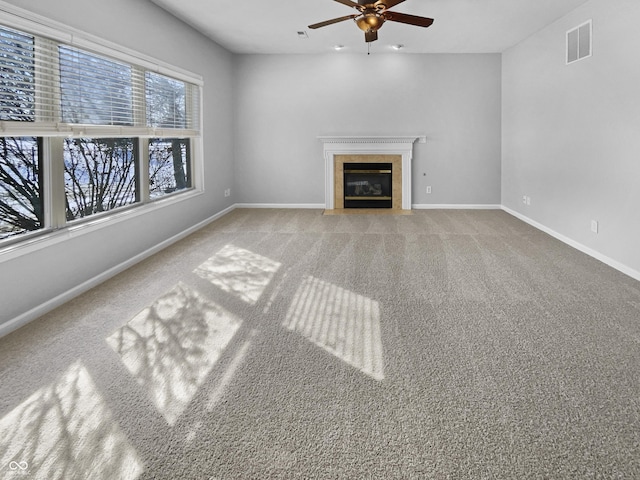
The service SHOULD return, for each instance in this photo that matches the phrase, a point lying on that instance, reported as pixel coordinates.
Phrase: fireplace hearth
(368, 185)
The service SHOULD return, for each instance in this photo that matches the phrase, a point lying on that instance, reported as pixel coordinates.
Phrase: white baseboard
(635, 274)
(64, 297)
(320, 206)
(454, 206)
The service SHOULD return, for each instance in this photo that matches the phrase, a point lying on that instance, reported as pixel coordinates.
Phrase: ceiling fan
(372, 14)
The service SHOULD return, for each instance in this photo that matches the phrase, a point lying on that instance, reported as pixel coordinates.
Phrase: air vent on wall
(579, 42)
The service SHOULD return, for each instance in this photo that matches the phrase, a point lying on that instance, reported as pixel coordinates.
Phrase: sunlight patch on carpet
(171, 346)
(343, 323)
(66, 430)
(239, 272)
(216, 395)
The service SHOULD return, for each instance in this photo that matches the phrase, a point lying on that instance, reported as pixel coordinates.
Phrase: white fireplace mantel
(369, 145)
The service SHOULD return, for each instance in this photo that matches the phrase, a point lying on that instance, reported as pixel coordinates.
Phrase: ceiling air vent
(579, 42)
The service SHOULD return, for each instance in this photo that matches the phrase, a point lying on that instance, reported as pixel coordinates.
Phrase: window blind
(95, 90)
(52, 88)
(171, 103)
(17, 87)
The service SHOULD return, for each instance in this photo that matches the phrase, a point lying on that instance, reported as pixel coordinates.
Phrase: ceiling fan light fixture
(369, 21)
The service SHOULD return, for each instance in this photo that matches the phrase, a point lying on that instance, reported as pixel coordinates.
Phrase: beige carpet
(288, 344)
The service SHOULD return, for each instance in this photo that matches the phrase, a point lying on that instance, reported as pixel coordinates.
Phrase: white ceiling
(461, 26)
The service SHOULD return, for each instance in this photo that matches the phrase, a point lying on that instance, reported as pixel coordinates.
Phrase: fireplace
(341, 151)
(367, 185)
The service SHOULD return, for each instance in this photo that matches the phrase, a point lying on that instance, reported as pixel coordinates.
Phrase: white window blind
(51, 88)
(171, 103)
(17, 87)
(95, 90)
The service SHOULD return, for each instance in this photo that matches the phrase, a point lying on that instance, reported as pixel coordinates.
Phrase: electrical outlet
(429, 189)
(227, 192)
(594, 226)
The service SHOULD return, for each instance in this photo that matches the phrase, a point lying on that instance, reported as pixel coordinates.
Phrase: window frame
(51, 131)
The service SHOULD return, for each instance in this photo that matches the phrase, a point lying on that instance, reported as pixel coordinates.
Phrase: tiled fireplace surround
(379, 149)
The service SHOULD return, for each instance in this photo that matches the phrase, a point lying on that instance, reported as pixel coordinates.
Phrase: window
(95, 128)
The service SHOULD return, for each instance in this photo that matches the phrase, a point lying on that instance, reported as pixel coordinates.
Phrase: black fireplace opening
(367, 185)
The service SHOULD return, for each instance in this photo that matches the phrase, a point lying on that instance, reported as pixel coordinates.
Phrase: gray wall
(571, 133)
(284, 102)
(31, 280)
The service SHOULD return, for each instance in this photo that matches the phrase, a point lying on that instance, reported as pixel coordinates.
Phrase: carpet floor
(288, 344)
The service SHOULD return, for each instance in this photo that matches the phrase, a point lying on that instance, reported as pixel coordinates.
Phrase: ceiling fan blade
(370, 36)
(349, 3)
(331, 22)
(409, 19)
(389, 3)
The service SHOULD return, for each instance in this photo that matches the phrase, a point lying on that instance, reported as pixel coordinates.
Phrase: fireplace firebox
(367, 185)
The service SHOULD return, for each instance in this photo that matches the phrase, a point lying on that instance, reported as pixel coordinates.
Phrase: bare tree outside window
(99, 175)
(168, 166)
(20, 186)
